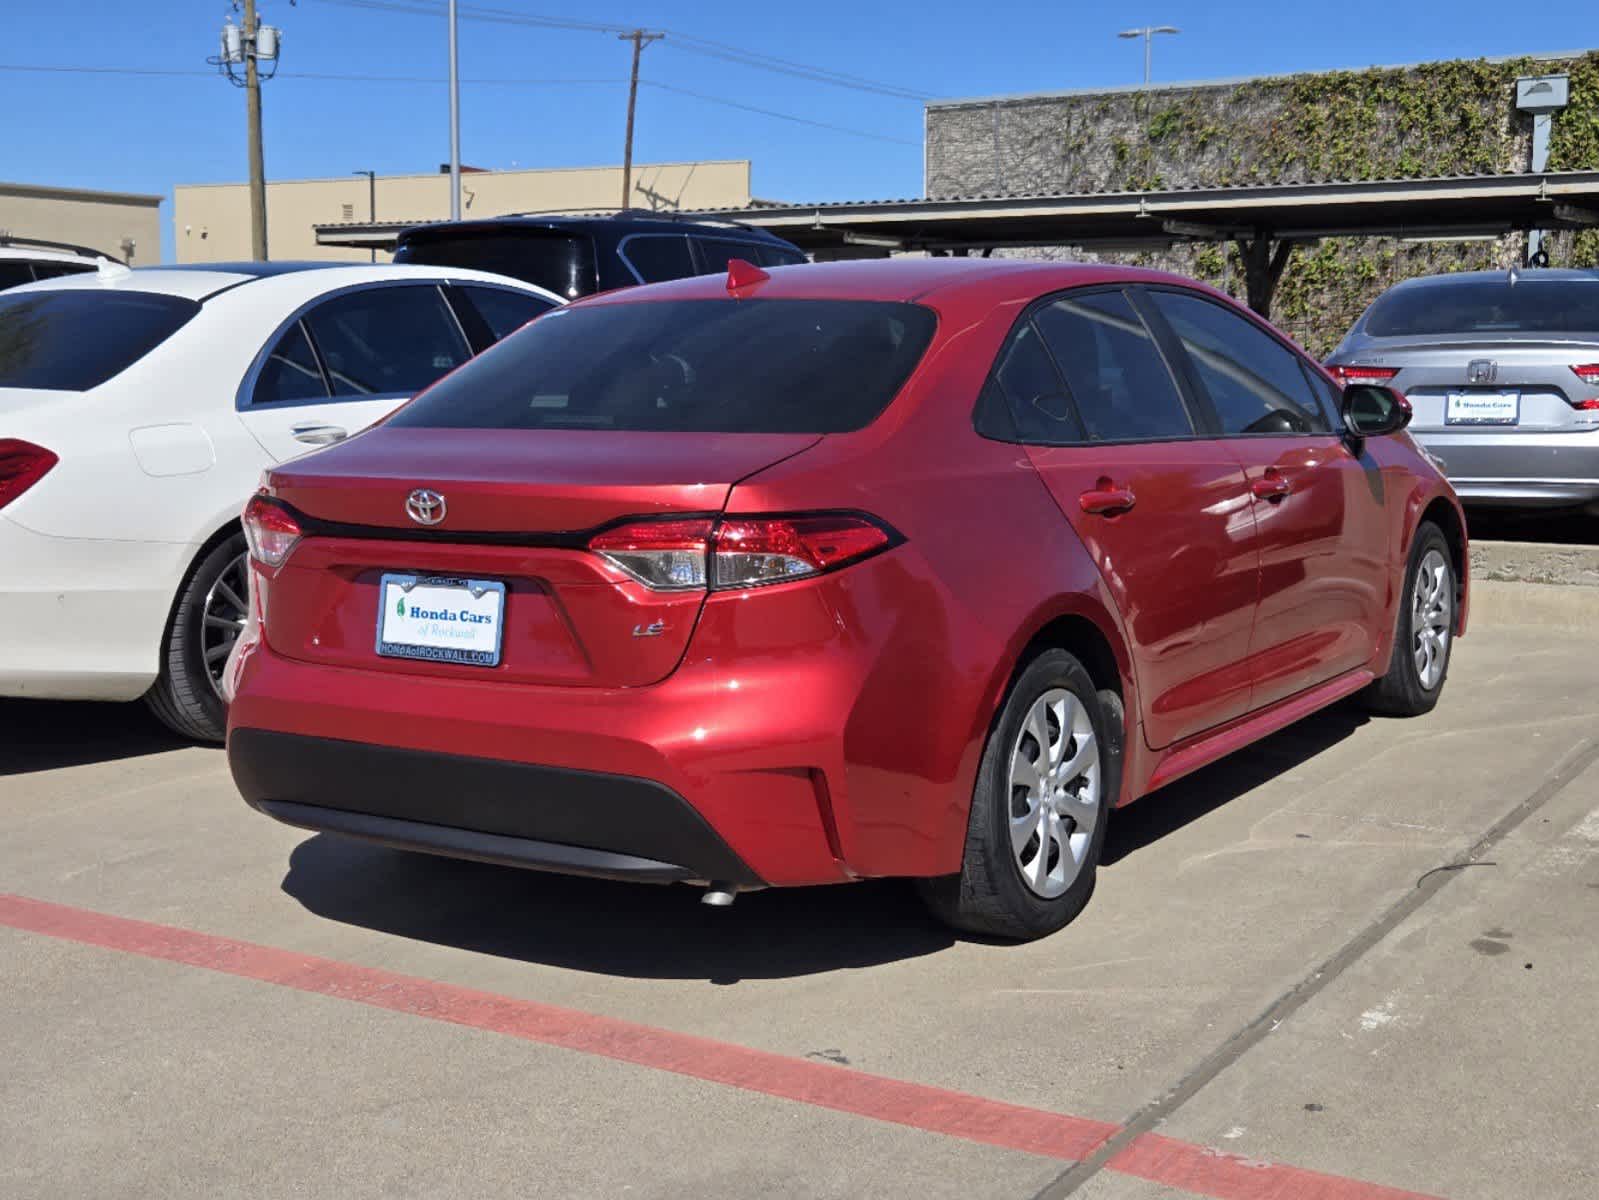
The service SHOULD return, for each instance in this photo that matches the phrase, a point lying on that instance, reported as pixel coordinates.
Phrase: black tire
(183, 696)
(989, 896)
(1400, 692)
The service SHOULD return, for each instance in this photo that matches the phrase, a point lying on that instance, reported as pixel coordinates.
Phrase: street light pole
(455, 122)
(1147, 32)
(371, 201)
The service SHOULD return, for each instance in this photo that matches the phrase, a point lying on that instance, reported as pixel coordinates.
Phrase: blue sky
(148, 132)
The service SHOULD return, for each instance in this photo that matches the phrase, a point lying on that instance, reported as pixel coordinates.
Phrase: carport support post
(1263, 267)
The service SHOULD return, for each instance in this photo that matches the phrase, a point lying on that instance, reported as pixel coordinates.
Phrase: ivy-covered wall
(1449, 118)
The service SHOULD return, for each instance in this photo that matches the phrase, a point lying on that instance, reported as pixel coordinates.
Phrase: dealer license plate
(1482, 408)
(441, 619)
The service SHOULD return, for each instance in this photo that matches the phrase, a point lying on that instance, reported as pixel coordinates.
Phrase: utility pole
(252, 103)
(640, 39)
(250, 45)
(455, 122)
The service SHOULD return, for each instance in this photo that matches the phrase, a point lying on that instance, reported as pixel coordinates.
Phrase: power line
(485, 82)
(676, 38)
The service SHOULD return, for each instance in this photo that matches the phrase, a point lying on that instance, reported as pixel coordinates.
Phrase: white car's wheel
(206, 620)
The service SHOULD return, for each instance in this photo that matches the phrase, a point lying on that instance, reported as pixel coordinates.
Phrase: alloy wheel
(222, 618)
(1054, 792)
(1431, 617)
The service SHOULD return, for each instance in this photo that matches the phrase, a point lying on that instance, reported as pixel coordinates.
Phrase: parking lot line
(1182, 1165)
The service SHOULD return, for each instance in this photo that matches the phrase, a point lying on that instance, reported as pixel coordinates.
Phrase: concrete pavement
(1257, 975)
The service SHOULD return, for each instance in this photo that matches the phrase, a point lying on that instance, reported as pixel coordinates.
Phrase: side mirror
(1372, 411)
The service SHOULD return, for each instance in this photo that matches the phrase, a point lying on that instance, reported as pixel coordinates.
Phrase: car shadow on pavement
(608, 928)
(665, 932)
(42, 735)
(1158, 814)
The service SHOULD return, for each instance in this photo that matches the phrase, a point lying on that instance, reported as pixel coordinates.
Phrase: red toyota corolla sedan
(910, 568)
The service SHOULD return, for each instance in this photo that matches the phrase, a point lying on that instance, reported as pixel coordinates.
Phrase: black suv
(574, 256)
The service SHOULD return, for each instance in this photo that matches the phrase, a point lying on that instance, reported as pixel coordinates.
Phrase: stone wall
(1450, 118)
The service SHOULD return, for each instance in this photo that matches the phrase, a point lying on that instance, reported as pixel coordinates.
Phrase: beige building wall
(122, 224)
(211, 222)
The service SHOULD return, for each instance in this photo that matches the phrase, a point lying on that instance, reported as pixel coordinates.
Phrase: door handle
(319, 435)
(1273, 485)
(1106, 499)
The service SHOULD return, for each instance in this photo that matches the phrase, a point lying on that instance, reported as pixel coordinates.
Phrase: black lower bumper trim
(481, 847)
(549, 818)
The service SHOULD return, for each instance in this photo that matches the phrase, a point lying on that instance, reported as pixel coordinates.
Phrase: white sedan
(137, 410)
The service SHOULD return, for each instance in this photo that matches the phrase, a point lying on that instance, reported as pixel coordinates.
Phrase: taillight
(1350, 373)
(22, 464)
(665, 555)
(270, 530)
(739, 552)
(1589, 374)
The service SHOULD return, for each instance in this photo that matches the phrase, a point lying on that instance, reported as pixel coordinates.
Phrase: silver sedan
(1502, 369)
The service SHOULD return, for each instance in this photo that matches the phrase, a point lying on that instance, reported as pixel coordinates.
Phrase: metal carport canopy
(1443, 206)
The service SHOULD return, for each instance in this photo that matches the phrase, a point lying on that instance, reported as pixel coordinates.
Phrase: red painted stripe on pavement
(1210, 1172)
(934, 1110)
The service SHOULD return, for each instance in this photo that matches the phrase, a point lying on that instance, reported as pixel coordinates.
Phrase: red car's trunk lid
(514, 503)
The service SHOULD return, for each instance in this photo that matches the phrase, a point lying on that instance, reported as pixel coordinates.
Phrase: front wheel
(206, 620)
(1424, 635)
(1048, 776)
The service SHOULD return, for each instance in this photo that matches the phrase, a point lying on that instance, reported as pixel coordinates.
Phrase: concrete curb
(1536, 562)
(1503, 603)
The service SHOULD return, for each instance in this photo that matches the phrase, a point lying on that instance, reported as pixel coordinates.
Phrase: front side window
(655, 258)
(1114, 371)
(559, 262)
(703, 366)
(290, 372)
(1254, 382)
(73, 340)
(387, 341)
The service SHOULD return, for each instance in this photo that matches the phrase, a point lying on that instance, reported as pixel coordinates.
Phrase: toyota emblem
(425, 506)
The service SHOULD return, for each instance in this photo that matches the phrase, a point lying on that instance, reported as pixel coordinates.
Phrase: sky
(534, 95)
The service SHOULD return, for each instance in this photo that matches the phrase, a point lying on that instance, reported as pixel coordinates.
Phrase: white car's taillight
(22, 464)
(270, 530)
(698, 552)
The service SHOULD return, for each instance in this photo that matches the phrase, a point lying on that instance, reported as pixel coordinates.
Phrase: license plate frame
(1458, 408)
(471, 652)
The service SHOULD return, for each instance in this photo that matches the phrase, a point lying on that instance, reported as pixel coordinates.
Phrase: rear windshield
(708, 366)
(1488, 306)
(561, 262)
(70, 341)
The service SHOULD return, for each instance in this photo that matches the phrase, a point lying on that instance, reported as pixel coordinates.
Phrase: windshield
(71, 341)
(1488, 306)
(710, 366)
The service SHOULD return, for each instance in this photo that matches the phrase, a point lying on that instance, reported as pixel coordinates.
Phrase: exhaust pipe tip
(719, 895)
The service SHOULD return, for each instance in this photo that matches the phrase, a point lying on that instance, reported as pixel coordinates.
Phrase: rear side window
(290, 372)
(778, 256)
(71, 341)
(560, 262)
(386, 341)
(655, 258)
(706, 366)
(503, 310)
(715, 253)
(14, 272)
(54, 270)
(1254, 382)
(1487, 306)
(1114, 371)
(1026, 377)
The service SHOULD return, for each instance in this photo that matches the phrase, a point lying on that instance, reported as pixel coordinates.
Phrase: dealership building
(123, 225)
(351, 217)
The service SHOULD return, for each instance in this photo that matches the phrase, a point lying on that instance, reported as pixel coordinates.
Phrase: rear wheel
(1424, 636)
(206, 620)
(1038, 814)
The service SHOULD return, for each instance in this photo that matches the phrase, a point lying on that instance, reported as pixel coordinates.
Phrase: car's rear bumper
(1520, 468)
(519, 814)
